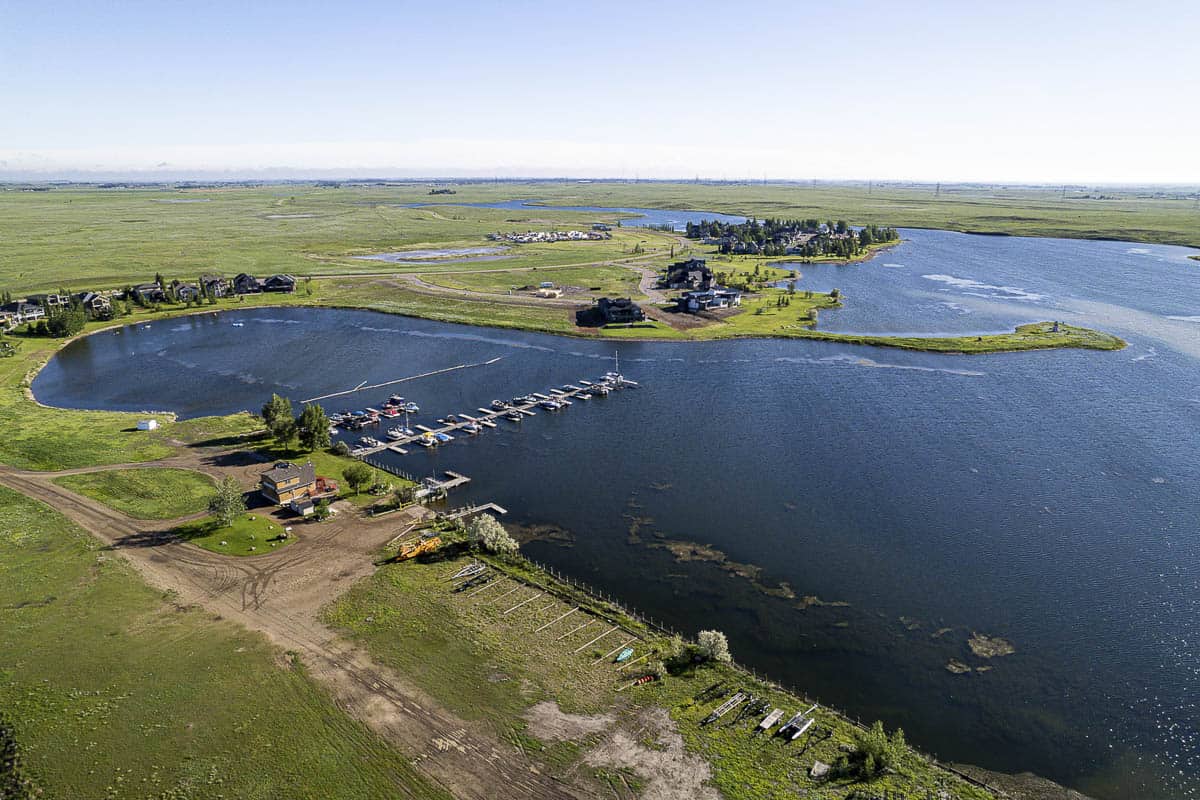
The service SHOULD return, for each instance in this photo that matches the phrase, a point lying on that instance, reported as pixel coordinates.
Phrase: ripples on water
(1044, 497)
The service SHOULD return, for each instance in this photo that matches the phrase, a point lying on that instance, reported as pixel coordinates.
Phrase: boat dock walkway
(456, 423)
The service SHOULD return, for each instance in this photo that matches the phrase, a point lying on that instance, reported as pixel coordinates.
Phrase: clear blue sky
(1077, 91)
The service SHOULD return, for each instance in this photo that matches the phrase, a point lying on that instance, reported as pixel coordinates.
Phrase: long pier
(456, 423)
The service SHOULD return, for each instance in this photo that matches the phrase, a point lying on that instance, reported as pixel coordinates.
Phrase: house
(285, 482)
(96, 305)
(149, 293)
(214, 285)
(20, 312)
(50, 302)
(619, 310)
(288, 484)
(709, 299)
(246, 284)
(691, 274)
(279, 283)
(185, 292)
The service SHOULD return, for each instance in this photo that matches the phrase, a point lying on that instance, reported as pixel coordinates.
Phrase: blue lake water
(645, 216)
(1047, 498)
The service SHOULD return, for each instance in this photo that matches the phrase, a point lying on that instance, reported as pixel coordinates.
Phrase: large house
(19, 312)
(708, 299)
(287, 484)
(247, 284)
(279, 283)
(619, 310)
(214, 285)
(691, 274)
(149, 293)
(185, 292)
(50, 302)
(96, 305)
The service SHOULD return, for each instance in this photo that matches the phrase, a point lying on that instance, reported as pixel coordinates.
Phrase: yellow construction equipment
(426, 544)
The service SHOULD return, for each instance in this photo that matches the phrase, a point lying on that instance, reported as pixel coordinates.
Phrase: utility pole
(938, 191)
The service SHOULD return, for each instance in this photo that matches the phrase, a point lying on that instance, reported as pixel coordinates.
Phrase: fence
(666, 629)
(389, 468)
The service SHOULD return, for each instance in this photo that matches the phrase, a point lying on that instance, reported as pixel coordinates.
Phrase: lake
(645, 218)
(888, 505)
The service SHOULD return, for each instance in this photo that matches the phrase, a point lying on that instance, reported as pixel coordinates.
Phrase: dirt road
(281, 595)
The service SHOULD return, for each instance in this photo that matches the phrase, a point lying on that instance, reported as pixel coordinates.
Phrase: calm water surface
(645, 216)
(1047, 498)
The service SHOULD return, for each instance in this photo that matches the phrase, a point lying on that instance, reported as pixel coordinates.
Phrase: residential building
(147, 293)
(20, 312)
(246, 284)
(50, 302)
(716, 297)
(214, 285)
(289, 484)
(619, 310)
(96, 305)
(691, 274)
(286, 481)
(279, 283)
(185, 292)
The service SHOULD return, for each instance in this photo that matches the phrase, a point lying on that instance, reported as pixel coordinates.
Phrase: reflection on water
(907, 500)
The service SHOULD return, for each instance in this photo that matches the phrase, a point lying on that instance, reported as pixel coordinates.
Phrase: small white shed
(147, 424)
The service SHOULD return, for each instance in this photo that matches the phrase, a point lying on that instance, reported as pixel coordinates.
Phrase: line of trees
(774, 237)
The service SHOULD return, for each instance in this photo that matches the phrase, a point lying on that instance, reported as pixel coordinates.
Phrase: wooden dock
(453, 423)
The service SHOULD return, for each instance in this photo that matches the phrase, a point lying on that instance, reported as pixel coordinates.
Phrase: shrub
(492, 536)
(713, 646)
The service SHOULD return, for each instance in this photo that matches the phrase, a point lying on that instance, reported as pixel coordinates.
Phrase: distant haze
(1080, 92)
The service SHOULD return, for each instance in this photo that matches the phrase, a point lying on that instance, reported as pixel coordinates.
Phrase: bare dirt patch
(670, 772)
(551, 724)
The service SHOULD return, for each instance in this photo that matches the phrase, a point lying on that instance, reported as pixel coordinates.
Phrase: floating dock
(487, 417)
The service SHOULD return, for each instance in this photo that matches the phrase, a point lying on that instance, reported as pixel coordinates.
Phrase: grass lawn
(592, 280)
(250, 535)
(149, 493)
(114, 691)
(490, 655)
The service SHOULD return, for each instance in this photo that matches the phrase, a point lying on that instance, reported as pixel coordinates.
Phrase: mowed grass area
(592, 281)
(43, 438)
(149, 493)
(492, 652)
(249, 535)
(169, 702)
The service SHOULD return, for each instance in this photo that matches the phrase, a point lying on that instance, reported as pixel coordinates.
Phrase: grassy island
(1035, 336)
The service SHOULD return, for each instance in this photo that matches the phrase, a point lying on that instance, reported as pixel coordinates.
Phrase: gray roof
(285, 469)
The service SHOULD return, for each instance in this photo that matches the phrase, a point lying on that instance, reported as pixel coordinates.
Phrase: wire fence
(765, 680)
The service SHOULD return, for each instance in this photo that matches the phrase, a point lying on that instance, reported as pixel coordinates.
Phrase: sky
(1081, 92)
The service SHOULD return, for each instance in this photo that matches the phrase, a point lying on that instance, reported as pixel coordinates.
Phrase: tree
(13, 782)
(358, 476)
(875, 752)
(340, 449)
(491, 534)
(275, 408)
(228, 503)
(277, 413)
(313, 428)
(713, 646)
(67, 322)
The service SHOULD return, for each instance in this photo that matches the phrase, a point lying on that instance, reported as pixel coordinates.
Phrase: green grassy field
(592, 281)
(83, 237)
(490, 655)
(1035, 336)
(251, 534)
(169, 701)
(150, 493)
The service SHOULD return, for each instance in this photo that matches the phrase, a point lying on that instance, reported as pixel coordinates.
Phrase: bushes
(874, 753)
(492, 536)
